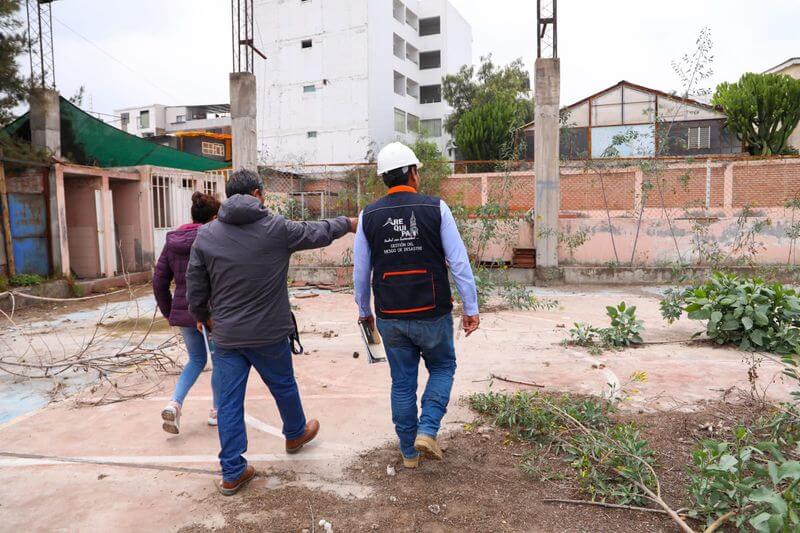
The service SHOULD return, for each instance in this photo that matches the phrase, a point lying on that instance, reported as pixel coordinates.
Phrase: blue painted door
(28, 214)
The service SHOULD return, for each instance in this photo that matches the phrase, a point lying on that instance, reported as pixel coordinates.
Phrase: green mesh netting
(86, 140)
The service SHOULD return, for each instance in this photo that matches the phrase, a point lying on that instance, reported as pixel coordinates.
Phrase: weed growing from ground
(625, 330)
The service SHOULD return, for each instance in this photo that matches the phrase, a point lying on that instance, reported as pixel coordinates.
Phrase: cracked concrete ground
(113, 468)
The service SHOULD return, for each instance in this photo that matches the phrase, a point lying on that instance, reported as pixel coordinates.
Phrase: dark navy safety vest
(409, 271)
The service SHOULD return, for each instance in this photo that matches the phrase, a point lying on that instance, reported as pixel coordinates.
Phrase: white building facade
(156, 119)
(345, 77)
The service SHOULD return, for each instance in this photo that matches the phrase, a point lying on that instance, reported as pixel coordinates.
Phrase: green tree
(435, 166)
(472, 87)
(485, 132)
(13, 85)
(762, 109)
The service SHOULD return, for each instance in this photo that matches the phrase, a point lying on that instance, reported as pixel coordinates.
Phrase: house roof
(638, 87)
(788, 63)
(86, 140)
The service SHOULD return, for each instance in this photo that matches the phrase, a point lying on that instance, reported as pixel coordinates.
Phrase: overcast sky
(178, 51)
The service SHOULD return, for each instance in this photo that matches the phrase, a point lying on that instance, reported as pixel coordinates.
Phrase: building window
(399, 121)
(125, 119)
(399, 84)
(431, 127)
(399, 47)
(412, 19)
(210, 187)
(306, 43)
(430, 26)
(162, 203)
(413, 123)
(309, 89)
(311, 134)
(699, 138)
(399, 11)
(412, 89)
(144, 119)
(412, 54)
(429, 60)
(430, 94)
(213, 149)
(180, 119)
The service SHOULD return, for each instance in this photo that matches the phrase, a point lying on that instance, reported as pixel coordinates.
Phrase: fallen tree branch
(607, 505)
(508, 380)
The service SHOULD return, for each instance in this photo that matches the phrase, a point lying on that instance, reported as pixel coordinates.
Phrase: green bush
(625, 329)
(750, 313)
(26, 280)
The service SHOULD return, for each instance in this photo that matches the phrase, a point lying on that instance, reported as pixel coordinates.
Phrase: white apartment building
(345, 77)
(156, 119)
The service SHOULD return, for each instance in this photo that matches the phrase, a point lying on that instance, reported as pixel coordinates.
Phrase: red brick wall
(584, 191)
(766, 184)
(685, 188)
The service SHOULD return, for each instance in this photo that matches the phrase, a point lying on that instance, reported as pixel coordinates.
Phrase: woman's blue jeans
(198, 357)
(406, 342)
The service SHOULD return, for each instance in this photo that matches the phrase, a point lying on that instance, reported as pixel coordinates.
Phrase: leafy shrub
(747, 312)
(3, 283)
(754, 481)
(625, 329)
(26, 280)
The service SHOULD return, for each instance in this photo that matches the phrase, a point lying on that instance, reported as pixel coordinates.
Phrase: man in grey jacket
(237, 286)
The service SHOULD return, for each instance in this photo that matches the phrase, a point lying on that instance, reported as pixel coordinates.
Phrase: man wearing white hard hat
(404, 245)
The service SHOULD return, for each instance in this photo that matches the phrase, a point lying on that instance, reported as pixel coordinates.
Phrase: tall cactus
(763, 110)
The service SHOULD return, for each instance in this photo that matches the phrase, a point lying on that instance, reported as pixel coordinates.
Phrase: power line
(134, 71)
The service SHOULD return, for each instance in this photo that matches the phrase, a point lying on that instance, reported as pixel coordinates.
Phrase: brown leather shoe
(229, 488)
(295, 445)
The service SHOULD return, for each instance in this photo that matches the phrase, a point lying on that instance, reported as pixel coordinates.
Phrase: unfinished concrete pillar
(45, 120)
(243, 121)
(546, 161)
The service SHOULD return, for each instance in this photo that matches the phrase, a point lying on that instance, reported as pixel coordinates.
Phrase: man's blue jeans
(231, 370)
(198, 357)
(406, 341)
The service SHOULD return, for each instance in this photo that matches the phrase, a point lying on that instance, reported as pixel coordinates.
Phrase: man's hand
(209, 325)
(369, 320)
(470, 324)
(353, 225)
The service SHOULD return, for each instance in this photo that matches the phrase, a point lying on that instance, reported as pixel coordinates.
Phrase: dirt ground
(479, 487)
(111, 467)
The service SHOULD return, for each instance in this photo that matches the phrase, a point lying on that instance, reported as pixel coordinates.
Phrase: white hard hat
(396, 155)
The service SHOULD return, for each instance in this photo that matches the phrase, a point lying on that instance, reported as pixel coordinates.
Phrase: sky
(131, 53)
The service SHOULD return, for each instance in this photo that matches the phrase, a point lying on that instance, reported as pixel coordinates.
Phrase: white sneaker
(171, 415)
(212, 418)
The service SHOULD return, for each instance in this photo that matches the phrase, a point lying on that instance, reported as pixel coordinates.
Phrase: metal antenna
(547, 32)
(40, 43)
(242, 31)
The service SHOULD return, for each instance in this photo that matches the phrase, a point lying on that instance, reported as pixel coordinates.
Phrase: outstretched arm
(310, 235)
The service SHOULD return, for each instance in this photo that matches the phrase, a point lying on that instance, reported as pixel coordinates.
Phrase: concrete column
(109, 248)
(546, 161)
(45, 118)
(243, 121)
(727, 193)
(59, 196)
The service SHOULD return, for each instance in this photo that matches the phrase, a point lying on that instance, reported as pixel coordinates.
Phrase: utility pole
(547, 133)
(45, 113)
(244, 100)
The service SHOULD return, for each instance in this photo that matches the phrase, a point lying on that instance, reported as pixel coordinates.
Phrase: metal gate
(28, 214)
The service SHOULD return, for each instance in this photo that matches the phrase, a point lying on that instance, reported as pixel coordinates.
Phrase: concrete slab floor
(113, 468)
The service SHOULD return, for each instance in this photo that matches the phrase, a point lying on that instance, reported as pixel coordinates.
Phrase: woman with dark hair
(172, 265)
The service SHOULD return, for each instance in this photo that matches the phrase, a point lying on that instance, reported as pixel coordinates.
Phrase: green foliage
(3, 283)
(26, 280)
(753, 480)
(13, 86)
(472, 87)
(485, 131)
(763, 110)
(749, 313)
(625, 329)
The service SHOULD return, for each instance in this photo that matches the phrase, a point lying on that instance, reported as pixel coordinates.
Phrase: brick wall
(680, 185)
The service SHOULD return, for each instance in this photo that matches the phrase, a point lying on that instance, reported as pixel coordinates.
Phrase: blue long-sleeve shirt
(454, 250)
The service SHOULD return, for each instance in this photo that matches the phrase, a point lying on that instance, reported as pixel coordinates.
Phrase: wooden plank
(6, 223)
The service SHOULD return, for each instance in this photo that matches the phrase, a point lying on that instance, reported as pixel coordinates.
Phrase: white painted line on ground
(355, 396)
(272, 430)
(311, 455)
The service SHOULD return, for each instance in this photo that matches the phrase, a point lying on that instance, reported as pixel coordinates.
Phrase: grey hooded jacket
(238, 270)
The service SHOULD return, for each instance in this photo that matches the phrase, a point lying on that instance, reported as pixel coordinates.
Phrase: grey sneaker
(212, 418)
(171, 415)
